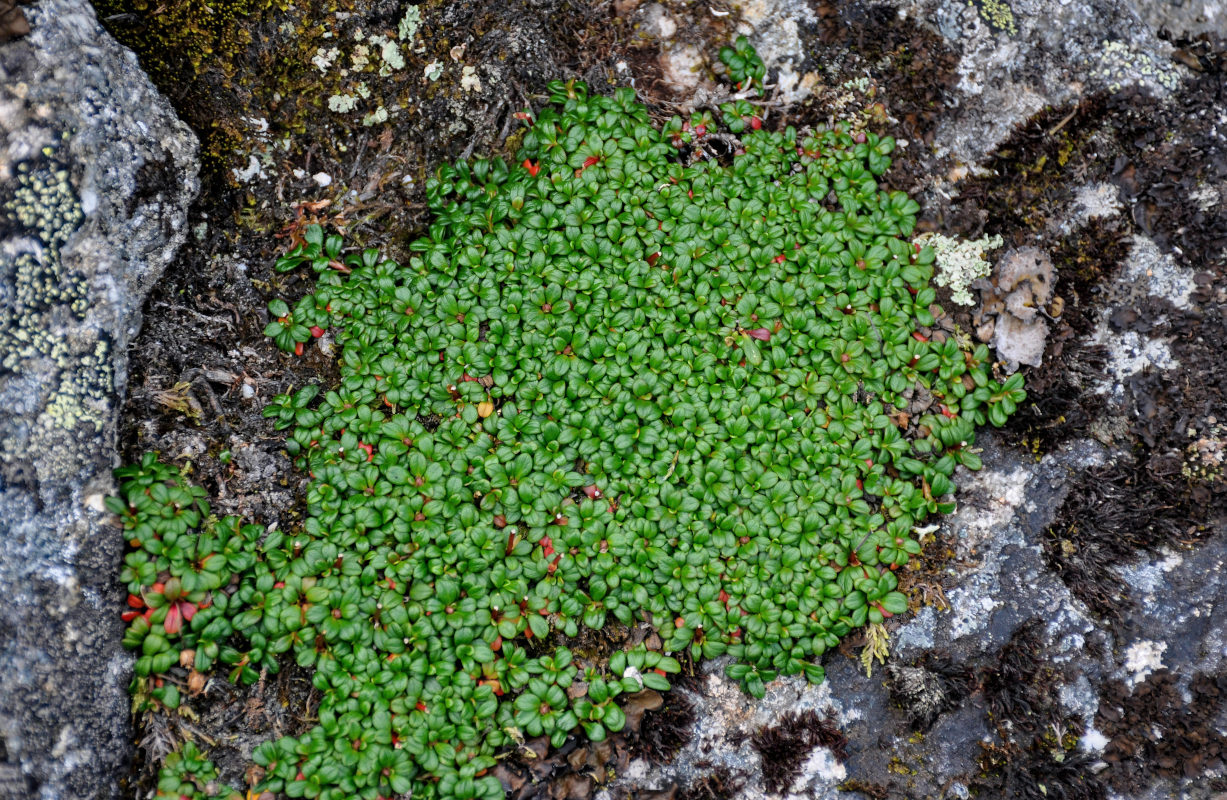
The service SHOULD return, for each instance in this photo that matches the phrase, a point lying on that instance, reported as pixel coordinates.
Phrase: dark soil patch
(656, 727)
(914, 71)
(1155, 732)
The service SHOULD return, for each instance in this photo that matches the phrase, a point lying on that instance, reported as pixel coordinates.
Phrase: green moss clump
(174, 39)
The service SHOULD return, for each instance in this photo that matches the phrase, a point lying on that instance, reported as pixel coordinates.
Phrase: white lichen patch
(409, 24)
(821, 770)
(376, 117)
(1149, 270)
(325, 58)
(342, 103)
(390, 52)
(251, 172)
(1095, 201)
(1093, 741)
(1143, 658)
(959, 263)
(469, 81)
(1206, 197)
(681, 66)
(83, 394)
(1147, 577)
(433, 70)
(1129, 354)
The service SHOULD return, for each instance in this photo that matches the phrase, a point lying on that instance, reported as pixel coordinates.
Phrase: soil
(202, 371)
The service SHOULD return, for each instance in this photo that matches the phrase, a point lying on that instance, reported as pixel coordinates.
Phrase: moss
(175, 38)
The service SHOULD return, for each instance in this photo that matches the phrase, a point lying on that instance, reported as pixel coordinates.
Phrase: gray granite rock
(96, 174)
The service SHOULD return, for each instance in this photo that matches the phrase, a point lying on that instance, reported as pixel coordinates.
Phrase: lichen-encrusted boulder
(96, 174)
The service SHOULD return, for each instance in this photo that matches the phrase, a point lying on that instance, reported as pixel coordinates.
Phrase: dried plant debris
(1167, 726)
(929, 687)
(13, 23)
(785, 746)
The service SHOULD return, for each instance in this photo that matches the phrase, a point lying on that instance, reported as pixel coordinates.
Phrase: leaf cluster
(745, 68)
(608, 385)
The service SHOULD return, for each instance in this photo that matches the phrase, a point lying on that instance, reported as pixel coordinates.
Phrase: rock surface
(96, 173)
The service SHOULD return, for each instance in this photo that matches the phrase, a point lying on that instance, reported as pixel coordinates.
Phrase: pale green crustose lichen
(997, 14)
(959, 263)
(1121, 65)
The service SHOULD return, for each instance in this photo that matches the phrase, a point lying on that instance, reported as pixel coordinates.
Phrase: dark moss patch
(1036, 757)
(1017, 685)
(1031, 175)
(1111, 514)
(1175, 152)
(720, 784)
(1039, 775)
(1155, 732)
(785, 746)
(667, 729)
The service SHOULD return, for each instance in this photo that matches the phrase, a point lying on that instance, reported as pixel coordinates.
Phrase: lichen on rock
(95, 177)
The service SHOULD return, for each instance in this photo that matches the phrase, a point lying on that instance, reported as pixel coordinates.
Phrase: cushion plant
(619, 380)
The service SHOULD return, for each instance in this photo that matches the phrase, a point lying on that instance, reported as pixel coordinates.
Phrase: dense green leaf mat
(618, 380)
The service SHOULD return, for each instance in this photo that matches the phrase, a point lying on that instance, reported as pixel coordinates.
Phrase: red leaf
(762, 334)
(188, 610)
(298, 348)
(532, 168)
(317, 331)
(756, 123)
(173, 621)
